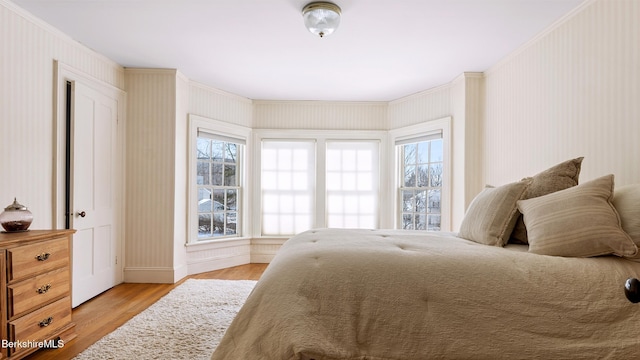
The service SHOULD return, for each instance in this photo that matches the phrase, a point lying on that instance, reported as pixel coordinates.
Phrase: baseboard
(217, 255)
(149, 275)
(208, 257)
(217, 264)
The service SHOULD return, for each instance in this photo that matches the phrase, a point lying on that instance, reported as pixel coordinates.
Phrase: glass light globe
(321, 18)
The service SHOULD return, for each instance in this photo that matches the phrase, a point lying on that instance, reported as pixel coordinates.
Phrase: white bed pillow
(579, 222)
(626, 200)
(492, 214)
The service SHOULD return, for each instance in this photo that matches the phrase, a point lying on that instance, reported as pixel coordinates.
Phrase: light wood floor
(107, 311)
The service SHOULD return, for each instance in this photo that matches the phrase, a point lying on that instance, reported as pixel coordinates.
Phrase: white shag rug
(187, 323)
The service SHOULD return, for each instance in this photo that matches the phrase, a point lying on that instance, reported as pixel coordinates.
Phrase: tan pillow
(626, 200)
(555, 178)
(579, 222)
(493, 213)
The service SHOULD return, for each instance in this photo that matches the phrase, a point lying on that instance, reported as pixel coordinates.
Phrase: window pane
(203, 177)
(229, 175)
(204, 225)
(434, 202)
(333, 180)
(268, 159)
(218, 224)
(231, 199)
(365, 161)
(407, 221)
(218, 200)
(423, 152)
(409, 151)
(365, 181)
(349, 181)
(204, 200)
(407, 200)
(433, 223)
(435, 175)
(231, 151)
(409, 176)
(203, 149)
(421, 201)
(423, 176)
(335, 204)
(284, 159)
(284, 180)
(231, 223)
(436, 151)
(301, 159)
(217, 174)
(349, 160)
(269, 180)
(217, 149)
(333, 160)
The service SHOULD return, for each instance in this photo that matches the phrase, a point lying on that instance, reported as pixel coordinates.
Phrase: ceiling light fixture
(321, 18)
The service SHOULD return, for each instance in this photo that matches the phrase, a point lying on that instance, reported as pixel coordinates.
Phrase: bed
(397, 294)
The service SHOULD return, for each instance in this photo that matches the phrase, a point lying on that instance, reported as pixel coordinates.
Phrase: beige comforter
(362, 294)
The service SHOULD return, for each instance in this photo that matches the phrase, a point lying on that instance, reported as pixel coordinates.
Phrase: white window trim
(320, 137)
(227, 130)
(417, 131)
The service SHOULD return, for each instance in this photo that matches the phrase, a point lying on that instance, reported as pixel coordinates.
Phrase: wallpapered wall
(572, 91)
(28, 49)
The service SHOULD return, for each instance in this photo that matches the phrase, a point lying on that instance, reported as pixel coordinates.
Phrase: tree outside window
(421, 185)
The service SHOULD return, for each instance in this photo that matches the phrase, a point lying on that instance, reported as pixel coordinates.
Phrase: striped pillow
(626, 200)
(492, 214)
(579, 222)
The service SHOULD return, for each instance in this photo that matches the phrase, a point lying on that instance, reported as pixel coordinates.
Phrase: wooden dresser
(36, 291)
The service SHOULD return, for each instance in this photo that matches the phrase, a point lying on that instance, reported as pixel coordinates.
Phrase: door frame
(62, 74)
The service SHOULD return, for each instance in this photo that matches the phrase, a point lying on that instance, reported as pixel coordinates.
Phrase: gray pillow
(493, 213)
(555, 178)
(578, 222)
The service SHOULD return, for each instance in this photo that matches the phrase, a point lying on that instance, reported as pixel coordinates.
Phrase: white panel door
(93, 192)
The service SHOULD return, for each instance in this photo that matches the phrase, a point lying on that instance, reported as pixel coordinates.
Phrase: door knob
(82, 214)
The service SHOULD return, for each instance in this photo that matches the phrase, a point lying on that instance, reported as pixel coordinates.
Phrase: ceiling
(260, 49)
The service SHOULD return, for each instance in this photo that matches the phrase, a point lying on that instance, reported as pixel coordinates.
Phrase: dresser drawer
(37, 325)
(29, 260)
(34, 292)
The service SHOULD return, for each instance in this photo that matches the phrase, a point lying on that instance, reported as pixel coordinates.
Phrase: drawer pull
(43, 256)
(46, 322)
(44, 288)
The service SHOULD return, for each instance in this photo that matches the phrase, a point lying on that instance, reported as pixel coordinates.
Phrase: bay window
(319, 179)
